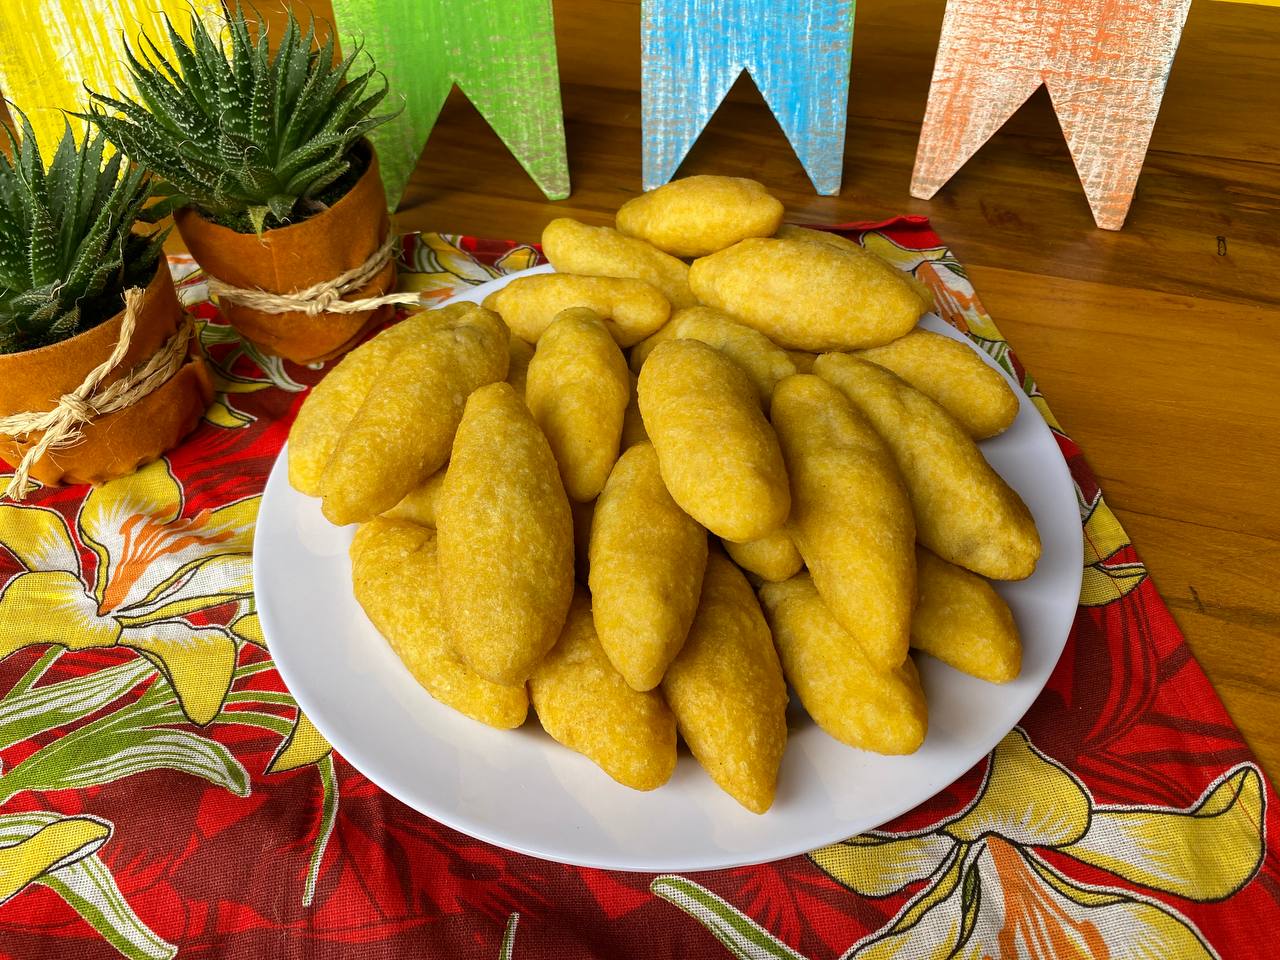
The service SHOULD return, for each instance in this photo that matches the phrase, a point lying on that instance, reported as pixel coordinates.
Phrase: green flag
(500, 53)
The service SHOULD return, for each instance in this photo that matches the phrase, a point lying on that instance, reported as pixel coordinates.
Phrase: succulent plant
(249, 140)
(67, 246)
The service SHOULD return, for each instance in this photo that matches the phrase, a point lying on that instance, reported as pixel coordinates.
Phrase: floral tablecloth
(160, 794)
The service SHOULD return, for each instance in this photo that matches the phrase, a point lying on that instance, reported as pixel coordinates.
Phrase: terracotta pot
(293, 257)
(120, 442)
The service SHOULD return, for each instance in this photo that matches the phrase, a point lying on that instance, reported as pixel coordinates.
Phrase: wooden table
(1158, 347)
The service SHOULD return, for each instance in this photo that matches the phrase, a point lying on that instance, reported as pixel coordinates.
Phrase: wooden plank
(1183, 403)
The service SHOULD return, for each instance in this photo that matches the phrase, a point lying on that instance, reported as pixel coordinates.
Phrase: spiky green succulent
(67, 246)
(250, 140)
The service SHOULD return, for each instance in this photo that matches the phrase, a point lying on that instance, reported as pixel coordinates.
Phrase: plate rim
(392, 784)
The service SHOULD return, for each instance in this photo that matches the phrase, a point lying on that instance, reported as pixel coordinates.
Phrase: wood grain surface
(1157, 346)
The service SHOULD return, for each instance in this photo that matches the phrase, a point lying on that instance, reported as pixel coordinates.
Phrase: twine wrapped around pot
(323, 297)
(63, 425)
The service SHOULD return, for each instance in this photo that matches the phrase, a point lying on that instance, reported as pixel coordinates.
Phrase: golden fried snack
(965, 512)
(519, 353)
(583, 517)
(647, 557)
(695, 216)
(853, 700)
(789, 232)
(750, 349)
(726, 689)
(640, 352)
(419, 504)
(719, 456)
(773, 557)
(334, 401)
(808, 296)
(963, 622)
(577, 390)
(584, 703)
(397, 582)
(403, 430)
(803, 360)
(633, 431)
(850, 516)
(631, 309)
(505, 539)
(574, 247)
(953, 376)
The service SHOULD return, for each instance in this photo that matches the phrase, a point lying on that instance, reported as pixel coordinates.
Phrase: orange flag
(1105, 63)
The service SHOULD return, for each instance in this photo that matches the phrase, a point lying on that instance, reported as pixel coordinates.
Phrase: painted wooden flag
(796, 51)
(50, 49)
(501, 53)
(1105, 63)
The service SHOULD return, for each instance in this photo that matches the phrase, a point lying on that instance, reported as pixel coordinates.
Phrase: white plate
(521, 790)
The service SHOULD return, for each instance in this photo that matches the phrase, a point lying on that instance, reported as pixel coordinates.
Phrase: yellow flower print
(1107, 576)
(955, 300)
(60, 853)
(909, 258)
(238, 367)
(52, 846)
(249, 627)
(989, 892)
(155, 567)
(157, 571)
(939, 270)
(438, 268)
(302, 747)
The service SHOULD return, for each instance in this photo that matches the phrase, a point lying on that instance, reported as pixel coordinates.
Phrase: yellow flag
(49, 50)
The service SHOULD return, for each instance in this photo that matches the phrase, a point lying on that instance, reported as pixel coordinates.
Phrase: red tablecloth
(160, 794)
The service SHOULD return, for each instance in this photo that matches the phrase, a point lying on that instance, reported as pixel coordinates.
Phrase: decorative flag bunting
(500, 53)
(796, 51)
(1105, 63)
(51, 49)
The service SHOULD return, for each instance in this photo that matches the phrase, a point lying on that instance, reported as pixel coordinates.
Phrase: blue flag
(796, 51)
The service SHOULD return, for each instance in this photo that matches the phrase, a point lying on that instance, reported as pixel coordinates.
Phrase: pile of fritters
(645, 494)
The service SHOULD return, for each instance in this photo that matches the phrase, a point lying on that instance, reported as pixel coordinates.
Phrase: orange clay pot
(120, 442)
(291, 258)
